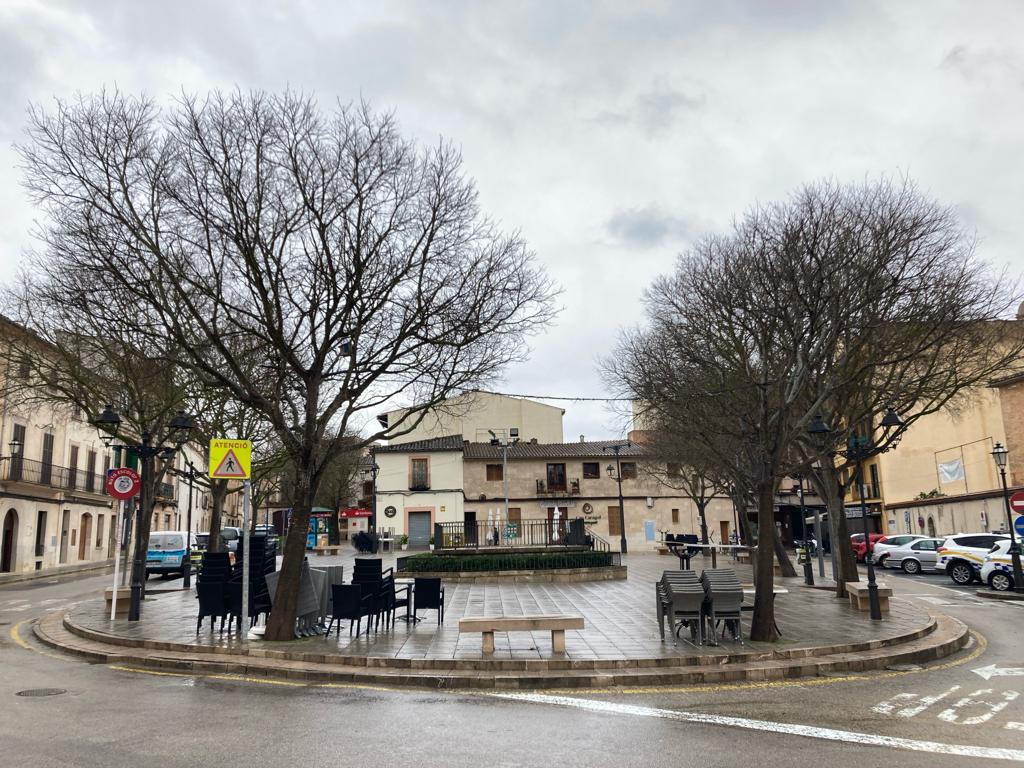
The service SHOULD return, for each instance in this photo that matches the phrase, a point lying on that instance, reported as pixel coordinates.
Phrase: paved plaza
(619, 615)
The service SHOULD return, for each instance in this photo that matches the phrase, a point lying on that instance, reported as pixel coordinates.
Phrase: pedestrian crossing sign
(230, 459)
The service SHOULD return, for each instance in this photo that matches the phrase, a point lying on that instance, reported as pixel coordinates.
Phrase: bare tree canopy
(867, 294)
(352, 266)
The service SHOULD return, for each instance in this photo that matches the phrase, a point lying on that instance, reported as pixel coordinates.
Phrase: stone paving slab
(619, 615)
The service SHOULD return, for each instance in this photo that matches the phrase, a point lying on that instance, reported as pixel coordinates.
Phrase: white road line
(810, 731)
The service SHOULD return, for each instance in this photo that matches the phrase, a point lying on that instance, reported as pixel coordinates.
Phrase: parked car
(265, 530)
(229, 537)
(961, 556)
(857, 542)
(997, 568)
(880, 549)
(165, 552)
(918, 555)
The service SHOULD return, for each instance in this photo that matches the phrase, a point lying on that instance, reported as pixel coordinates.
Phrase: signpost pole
(246, 559)
(117, 560)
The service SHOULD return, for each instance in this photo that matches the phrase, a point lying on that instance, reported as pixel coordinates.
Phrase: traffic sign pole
(117, 560)
(246, 559)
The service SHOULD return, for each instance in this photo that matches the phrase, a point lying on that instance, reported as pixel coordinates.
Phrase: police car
(961, 556)
(997, 570)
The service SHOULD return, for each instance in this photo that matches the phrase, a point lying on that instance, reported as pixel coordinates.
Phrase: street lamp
(859, 448)
(808, 568)
(616, 474)
(512, 439)
(108, 424)
(373, 470)
(999, 454)
(191, 475)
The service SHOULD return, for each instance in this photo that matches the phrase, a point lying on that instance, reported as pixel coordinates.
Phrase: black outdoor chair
(428, 594)
(211, 603)
(349, 603)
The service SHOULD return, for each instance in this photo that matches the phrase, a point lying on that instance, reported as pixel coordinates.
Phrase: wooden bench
(488, 625)
(124, 596)
(858, 594)
(330, 550)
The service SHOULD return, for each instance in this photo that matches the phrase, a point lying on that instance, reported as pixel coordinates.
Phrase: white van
(166, 551)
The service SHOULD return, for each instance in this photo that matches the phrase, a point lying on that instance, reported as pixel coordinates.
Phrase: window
(99, 531)
(591, 470)
(73, 467)
(40, 532)
(18, 453)
(419, 479)
(614, 529)
(556, 477)
(674, 470)
(873, 471)
(628, 470)
(24, 368)
(167, 521)
(514, 515)
(90, 471)
(675, 515)
(46, 470)
(925, 546)
(495, 472)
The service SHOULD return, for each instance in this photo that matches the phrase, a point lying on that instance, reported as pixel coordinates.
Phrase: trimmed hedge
(506, 562)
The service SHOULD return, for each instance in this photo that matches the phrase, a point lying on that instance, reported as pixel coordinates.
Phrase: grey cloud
(655, 110)
(646, 227)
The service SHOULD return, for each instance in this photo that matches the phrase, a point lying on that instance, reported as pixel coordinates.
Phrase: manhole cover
(41, 692)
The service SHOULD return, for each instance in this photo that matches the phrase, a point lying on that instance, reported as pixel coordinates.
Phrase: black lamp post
(999, 454)
(859, 448)
(373, 470)
(808, 568)
(108, 424)
(191, 475)
(616, 474)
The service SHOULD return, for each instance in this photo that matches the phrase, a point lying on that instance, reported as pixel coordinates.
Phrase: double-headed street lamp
(616, 474)
(512, 439)
(859, 448)
(108, 424)
(373, 470)
(999, 453)
(191, 474)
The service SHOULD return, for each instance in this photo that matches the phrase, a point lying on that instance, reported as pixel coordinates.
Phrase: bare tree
(842, 295)
(357, 266)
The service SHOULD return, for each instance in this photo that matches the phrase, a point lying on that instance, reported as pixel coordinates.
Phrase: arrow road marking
(993, 671)
(810, 731)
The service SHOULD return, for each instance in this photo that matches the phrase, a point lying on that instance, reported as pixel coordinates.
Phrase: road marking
(809, 731)
(993, 671)
(17, 638)
(952, 716)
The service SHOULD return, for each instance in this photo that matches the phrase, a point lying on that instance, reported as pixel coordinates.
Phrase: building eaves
(526, 450)
(447, 443)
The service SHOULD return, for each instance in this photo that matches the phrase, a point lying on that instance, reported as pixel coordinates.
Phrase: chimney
(582, 440)
(533, 441)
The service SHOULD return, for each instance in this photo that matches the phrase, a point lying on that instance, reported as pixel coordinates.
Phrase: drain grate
(41, 692)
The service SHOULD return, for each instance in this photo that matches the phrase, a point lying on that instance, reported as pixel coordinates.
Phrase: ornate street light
(616, 474)
(107, 425)
(999, 455)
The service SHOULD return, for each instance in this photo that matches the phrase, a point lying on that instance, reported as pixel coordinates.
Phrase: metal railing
(16, 469)
(515, 533)
(568, 488)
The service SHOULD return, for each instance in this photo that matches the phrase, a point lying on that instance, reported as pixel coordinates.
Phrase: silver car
(880, 549)
(915, 556)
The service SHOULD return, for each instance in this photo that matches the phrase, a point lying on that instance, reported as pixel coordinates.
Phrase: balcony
(545, 489)
(414, 486)
(18, 470)
(165, 492)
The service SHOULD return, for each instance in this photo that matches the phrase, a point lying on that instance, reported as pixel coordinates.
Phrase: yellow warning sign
(230, 459)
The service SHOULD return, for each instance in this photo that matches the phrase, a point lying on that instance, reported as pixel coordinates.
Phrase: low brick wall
(552, 576)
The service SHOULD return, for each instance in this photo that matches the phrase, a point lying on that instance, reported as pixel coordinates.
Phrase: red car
(857, 542)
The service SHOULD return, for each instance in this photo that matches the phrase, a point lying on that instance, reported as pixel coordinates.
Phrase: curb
(943, 637)
(991, 594)
(55, 573)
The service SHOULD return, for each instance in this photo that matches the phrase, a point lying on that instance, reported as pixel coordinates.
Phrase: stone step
(948, 636)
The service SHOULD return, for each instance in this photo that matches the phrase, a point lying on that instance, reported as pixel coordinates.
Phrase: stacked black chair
(680, 598)
(678, 544)
(263, 551)
(377, 582)
(724, 601)
(211, 588)
(428, 594)
(350, 604)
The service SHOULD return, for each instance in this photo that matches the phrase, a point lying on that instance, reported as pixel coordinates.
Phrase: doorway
(84, 536)
(470, 529)
(419, 529)
(65, 526)
(723, 532)
(7, 535)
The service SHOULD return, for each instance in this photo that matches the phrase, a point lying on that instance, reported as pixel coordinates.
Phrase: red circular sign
(1017, 502)
(123, 483)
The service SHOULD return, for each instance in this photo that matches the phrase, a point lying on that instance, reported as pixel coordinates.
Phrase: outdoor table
(408, 585)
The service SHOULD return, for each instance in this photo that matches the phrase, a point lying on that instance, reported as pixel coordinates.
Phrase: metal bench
(488, 625)
(858, 594)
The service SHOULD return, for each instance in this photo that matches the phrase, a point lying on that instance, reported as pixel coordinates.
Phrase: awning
(354, 513)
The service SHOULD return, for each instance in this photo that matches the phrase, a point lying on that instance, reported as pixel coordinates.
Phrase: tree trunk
(830, 489)
(785, 564)
(281, 624)
(144, 521)
(702, 512)
(762, 626)
(218, 493)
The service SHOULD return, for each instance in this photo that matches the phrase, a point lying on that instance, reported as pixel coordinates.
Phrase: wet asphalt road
(111, 717)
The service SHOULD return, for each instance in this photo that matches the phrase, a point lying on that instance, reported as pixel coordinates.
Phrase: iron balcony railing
(20, 470)
(515, 533)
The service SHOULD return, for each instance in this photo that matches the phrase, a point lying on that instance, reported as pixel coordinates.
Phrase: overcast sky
(611, 134)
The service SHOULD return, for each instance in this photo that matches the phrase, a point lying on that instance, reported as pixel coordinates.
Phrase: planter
(404, 547)
(550, 576)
